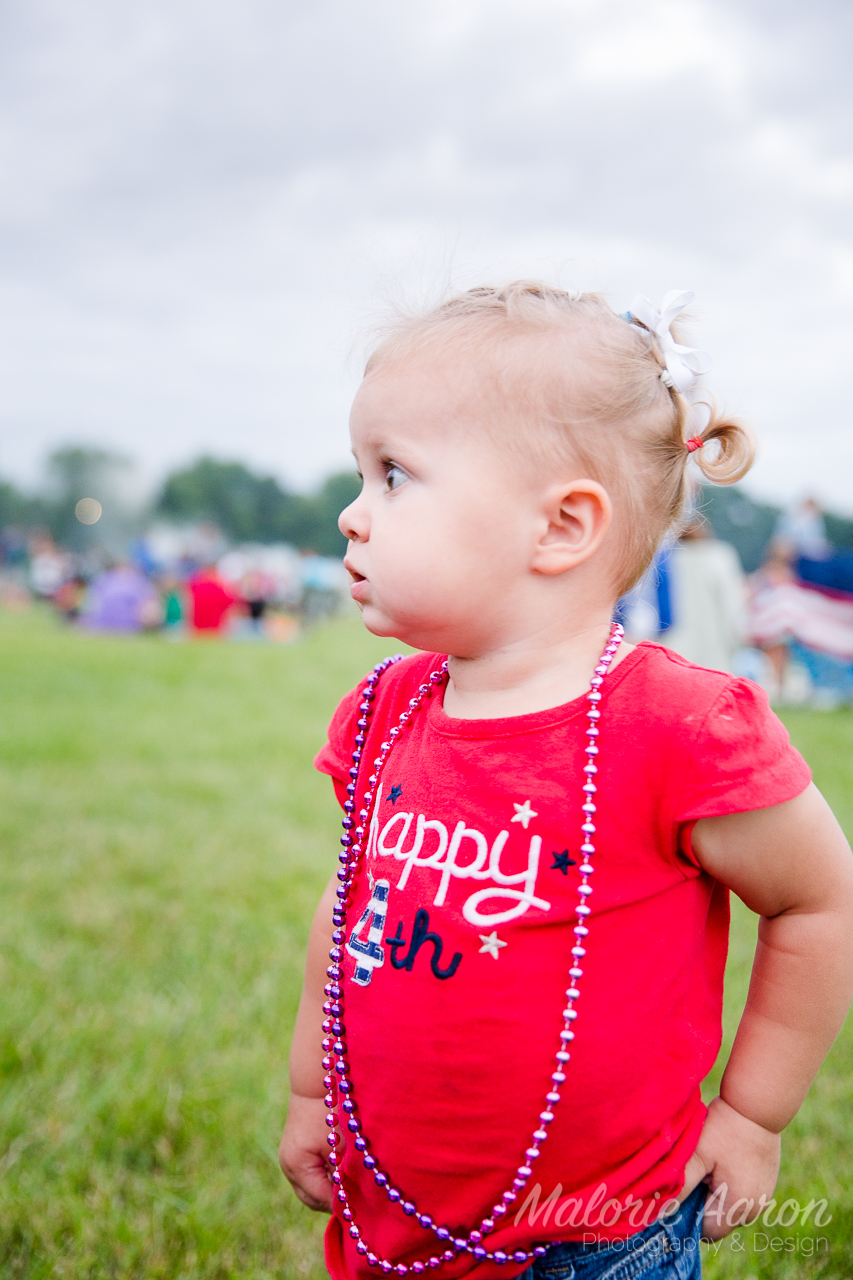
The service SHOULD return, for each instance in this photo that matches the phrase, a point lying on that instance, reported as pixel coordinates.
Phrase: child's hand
(740, 1162)
(303, 1152)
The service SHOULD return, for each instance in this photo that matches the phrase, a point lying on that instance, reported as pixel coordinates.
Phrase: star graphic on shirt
(562, 862)
(491, 943)
(523, 813)
(396, 792)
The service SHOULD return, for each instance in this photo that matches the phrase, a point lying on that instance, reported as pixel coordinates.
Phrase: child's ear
(574, 519)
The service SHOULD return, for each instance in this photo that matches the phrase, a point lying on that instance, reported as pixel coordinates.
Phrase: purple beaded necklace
(337, 1079)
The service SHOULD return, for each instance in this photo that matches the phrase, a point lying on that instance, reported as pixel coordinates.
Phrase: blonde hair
(572, 366)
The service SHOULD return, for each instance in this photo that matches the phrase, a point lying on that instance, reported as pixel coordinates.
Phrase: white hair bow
(683, 364)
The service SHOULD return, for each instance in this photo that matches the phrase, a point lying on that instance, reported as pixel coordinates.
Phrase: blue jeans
(666, 1250)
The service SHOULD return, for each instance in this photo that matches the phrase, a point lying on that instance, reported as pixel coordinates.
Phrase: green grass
(163, 839)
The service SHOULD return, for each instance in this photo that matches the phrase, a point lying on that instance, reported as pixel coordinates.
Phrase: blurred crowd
(184, 583)
(788, 625)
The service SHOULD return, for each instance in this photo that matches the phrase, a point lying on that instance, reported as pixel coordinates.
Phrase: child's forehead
(432, 374)
(421, 396)
(480, 370)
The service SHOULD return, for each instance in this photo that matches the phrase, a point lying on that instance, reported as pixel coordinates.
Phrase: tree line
(245, 505)
(250, 507)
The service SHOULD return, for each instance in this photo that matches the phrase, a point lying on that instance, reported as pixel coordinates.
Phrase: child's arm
(792, 865)
(303, 1150)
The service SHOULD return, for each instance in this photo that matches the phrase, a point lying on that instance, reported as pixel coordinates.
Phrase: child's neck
(528, 674)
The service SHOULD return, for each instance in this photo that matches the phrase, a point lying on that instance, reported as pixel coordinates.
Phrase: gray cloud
(202, 203)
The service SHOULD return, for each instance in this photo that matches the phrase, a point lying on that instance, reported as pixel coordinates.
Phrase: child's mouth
(359, 585)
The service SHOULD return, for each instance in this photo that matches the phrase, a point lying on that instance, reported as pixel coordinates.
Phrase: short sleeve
(335, 758)
(742, 758)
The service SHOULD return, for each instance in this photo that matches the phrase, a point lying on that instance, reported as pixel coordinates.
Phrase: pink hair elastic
(694, 443)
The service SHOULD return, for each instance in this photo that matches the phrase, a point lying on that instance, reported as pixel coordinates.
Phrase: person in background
(692, 599)
(707, 598)
(210, 602)
(802, 528)
(69, 598)
(173, 605)
(769, 612)
(121, 599)
(805, 631)
(256, 589)
(815, 560)
(49, 566)
(320, 587)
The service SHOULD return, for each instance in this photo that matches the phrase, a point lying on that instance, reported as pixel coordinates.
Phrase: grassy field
(162, 841)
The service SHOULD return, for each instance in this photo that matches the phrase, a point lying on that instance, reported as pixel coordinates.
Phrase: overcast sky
(203, 204)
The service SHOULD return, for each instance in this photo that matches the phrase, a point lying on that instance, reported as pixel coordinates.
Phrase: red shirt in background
(452, 1047)
(211, 601)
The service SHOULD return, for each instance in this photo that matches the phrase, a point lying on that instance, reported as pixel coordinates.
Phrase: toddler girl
(518, 969)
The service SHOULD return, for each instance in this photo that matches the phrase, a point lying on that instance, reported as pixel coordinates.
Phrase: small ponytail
(734, 455)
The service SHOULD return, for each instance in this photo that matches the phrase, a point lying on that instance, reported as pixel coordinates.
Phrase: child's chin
(379, 624)
(376, 622)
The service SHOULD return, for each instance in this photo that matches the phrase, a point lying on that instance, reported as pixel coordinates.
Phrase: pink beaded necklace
(337, 1079)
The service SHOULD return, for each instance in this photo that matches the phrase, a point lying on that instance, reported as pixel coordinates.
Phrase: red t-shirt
(210, 602)
(452, 1048)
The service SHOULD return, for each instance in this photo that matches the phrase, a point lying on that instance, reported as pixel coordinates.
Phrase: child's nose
(353, 522)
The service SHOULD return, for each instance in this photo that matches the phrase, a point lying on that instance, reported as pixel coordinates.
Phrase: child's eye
(394, 476)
